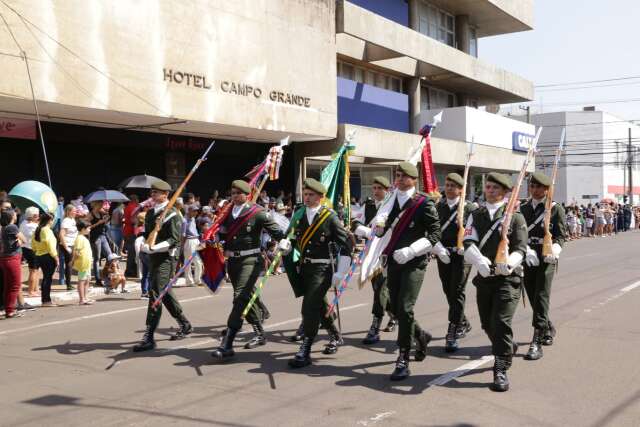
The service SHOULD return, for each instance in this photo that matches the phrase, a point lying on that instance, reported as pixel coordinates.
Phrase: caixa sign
(522, 141)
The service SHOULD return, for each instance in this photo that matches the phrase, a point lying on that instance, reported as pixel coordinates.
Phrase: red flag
(429, 180)
(212, 255)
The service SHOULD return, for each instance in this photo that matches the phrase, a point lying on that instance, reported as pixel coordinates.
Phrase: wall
(286, 46)
(365, 105)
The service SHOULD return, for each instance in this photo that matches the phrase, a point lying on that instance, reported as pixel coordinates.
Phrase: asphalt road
(73, 365)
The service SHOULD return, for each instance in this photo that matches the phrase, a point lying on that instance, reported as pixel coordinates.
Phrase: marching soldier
(497, 286)
(452, 269)
(319, 233)
(415, 229)
(539, 275)
(381, 301)
(241, 231)
(163, 257)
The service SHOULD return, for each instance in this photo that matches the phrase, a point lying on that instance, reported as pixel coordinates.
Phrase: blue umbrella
(108, 195)
(34, 193)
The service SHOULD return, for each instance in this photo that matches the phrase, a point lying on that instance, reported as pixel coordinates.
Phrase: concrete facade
(230, 69)
(594, 165)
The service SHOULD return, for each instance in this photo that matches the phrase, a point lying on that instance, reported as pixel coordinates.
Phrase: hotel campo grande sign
(235, 88)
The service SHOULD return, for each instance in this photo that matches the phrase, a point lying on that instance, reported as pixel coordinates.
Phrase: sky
(575, 41)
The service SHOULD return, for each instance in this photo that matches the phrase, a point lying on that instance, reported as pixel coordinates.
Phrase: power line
(589, 81)
(587, 87)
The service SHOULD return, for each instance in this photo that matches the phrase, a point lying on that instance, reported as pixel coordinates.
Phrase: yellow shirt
(47, 244)
(82, 248)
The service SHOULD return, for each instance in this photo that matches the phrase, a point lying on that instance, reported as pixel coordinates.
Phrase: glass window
(396, 84)
(436, 98)
(381, 81)
(473, 42)
(370, 78)
(347, 71)
(359, 75)
(436, 23)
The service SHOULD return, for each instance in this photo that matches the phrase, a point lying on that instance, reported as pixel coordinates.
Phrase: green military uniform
(162, 265)
(538, 279)
(497, 295)
(243, 267)
(245, 264)
(454, 275)
(311, 275)
(405, 280)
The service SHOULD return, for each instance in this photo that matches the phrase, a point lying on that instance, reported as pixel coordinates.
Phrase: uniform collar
(160, 207)
(312, 212)
(492, 208)
(403, 196)
(452, 202)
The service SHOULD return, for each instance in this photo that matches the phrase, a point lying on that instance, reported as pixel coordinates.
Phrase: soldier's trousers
(537, 282)
(454, 281)
(381, 300)
(162, 269)
(404, 282)
(244, 273)
(316, 280)
(497, 302)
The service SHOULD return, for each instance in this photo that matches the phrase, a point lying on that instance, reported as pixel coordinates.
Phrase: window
(473, 42)
(372, 78)
(432, 98)
(437, 24)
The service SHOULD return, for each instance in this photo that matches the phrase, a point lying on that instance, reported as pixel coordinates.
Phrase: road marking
(378, 417)
(461, 370)
(90, 316)
(613, 297)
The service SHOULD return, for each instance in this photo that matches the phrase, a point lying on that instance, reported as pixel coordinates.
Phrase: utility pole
(630, 160)
(528, 110)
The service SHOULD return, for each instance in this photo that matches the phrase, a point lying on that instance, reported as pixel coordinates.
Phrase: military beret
(540, 178)
(160, 185)
(315, 185)
(382, 181)
(241, 185)
(408, 169)
(501, 179)
(454, 177)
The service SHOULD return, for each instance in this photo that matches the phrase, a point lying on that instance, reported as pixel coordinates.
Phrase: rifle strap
(539, 219)
(451, 218)
(489, 233)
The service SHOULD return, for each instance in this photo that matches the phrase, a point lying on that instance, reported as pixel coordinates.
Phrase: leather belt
(536, 240)
(316, 261)
(237, 254)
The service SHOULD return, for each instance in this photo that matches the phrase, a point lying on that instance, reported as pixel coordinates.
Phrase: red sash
(240, 221)
(402, 224)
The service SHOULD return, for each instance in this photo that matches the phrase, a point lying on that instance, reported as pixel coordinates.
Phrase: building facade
(595, 165)
(147, 85)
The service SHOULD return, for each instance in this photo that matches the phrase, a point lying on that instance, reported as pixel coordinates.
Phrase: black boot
(463, 328)
(549, 335)
(500, 367)
(265, 311)
(303, 357)
(391, 326)
(299, 333)
(258, 339)
(147, 343)
(335, 339)
(514, 346)
(225, 350)
(422, 341)
(185, 329)
(401, 371)
(373, 336)
(535, 348)
(451, 340)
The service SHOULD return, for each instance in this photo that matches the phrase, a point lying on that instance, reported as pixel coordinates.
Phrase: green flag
(335, 176)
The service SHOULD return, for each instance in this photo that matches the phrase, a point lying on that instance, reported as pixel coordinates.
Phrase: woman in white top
(66, 240)
(28, 226)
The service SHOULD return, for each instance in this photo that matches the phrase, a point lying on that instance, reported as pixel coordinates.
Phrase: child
(81, 261)
(112, 275)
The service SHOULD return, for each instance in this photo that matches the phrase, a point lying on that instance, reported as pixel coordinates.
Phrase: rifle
(151, 240)
(463, 196)
(503, 248)
(547, 241)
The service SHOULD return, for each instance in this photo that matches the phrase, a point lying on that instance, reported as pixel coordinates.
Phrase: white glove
(404, 255)
(556, 249)
(344, 262)
(362, 231)
(145, 249)
(514, 260)
(160, 247)
(285, 246)
(441, 252)
(379, 222)
(473, 256)
(532, 258)
(421, 246)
